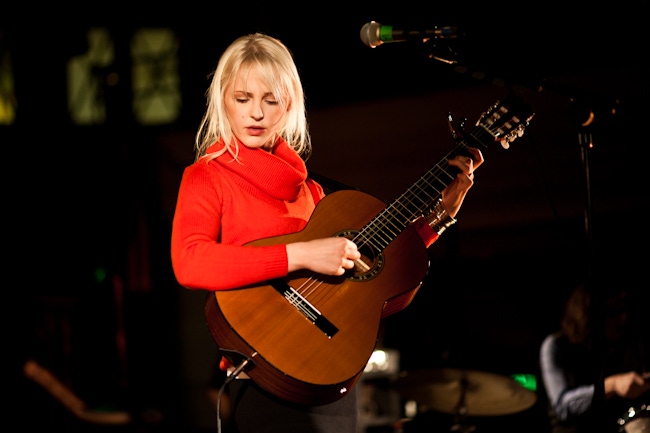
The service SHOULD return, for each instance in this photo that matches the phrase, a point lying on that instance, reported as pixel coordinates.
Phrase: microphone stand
(585, 141)
(583, 114)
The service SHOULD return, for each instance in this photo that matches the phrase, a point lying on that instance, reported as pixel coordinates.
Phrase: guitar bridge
(305, 307)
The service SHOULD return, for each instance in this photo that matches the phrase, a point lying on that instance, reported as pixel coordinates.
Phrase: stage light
(528, 381)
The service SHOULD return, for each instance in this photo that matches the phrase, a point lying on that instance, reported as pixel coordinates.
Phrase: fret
(418, 198)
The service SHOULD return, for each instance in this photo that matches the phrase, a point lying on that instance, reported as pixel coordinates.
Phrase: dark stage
(92, 295)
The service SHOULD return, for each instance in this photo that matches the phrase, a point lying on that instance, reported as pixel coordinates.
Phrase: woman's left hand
(454, 194)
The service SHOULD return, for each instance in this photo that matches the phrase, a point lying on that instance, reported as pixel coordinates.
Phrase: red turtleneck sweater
(224, 204)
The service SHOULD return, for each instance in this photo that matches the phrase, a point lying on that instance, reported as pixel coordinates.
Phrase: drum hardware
(636, 420)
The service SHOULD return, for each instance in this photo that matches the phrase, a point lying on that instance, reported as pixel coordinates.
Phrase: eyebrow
(250, 94)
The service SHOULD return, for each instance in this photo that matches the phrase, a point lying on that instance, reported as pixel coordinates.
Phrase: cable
(229, 379)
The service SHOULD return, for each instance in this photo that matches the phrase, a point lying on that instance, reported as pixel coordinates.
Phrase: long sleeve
(198, 260)
(567, 400)
(425, 231)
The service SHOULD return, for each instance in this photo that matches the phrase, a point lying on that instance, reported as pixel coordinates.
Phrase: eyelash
(244, 100)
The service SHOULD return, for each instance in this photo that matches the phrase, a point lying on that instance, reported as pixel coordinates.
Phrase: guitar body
(292, 357)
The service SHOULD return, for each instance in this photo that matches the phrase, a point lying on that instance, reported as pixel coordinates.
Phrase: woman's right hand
(627, 385)
(328, 256)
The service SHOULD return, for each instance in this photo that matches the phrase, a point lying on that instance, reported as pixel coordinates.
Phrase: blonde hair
(275, 64)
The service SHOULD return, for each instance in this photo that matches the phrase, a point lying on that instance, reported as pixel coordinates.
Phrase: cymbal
(467, 392)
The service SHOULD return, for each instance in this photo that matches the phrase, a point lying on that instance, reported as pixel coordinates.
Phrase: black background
(542, 215)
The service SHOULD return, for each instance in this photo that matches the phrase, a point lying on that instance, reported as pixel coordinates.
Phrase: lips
(255, 131)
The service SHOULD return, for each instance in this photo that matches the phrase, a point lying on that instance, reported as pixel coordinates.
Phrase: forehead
(249, 78)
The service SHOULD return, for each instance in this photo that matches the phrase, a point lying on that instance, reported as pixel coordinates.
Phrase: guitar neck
(418, 199)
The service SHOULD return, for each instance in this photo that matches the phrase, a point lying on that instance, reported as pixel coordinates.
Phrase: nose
(257, 112)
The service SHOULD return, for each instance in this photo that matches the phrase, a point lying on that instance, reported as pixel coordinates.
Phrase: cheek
(279, 116)
(230, 108)
(234, 116)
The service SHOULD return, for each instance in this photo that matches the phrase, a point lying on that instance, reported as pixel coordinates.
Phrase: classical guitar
(308, 337)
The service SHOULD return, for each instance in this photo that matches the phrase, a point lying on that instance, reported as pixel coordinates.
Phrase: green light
(528, 381)
(386, 33)
(100, 274)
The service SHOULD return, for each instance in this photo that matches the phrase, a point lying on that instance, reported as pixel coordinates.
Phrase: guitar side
(294, 357)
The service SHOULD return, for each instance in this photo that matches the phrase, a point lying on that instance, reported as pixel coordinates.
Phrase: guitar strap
(329, 185)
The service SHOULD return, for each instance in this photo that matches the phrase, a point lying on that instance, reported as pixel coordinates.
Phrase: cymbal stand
(460, 421)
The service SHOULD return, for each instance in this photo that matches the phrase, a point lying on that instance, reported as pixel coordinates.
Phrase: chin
(258, 144)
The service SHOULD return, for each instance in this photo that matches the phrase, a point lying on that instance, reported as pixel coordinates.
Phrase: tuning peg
(452, 131)
(455, 134)
(512, 136)
(462, 123)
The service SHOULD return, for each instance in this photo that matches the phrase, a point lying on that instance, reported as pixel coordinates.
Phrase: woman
(249, 181)
(597, 365)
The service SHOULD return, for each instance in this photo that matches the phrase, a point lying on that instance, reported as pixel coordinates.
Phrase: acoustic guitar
(308, 337)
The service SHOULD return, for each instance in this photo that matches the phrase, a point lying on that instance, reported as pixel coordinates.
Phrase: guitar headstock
(506, 120)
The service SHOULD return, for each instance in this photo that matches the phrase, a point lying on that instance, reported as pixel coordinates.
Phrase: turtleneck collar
(279, 174)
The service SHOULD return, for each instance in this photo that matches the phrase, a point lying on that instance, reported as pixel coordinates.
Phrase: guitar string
(379, 224)
(435, 174)
(373, 231)
(369, 235)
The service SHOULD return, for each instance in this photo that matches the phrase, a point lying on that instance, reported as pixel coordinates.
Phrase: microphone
(374, 34)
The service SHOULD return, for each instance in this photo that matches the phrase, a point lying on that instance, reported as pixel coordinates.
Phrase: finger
(477, 157)
(458, 162)
(464, 164)
(468, 168)
(353, 253)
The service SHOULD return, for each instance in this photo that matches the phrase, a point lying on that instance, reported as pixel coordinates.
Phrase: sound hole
(371, 262)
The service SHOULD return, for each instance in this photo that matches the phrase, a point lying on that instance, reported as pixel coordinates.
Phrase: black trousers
(257, 411)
